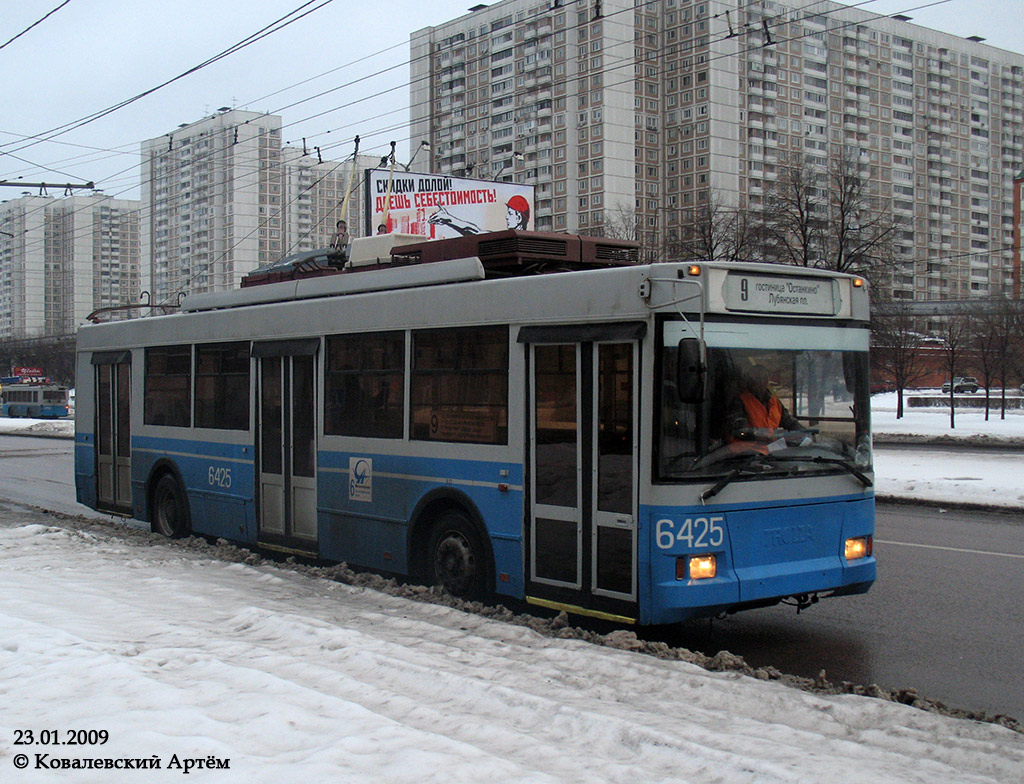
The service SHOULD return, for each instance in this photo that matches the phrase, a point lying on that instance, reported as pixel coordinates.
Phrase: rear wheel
(170, 508)
(456, 556)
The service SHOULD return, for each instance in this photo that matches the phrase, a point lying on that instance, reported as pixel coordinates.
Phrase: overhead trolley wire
(36, 23)
(567, 79)
(250, 39)
(623, 63)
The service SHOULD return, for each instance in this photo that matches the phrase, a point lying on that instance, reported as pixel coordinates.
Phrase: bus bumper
(767, 554)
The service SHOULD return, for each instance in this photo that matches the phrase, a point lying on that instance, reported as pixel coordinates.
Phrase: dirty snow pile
(273, 675)
(62, 428)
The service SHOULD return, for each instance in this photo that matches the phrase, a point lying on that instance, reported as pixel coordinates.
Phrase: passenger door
(582, 445)
(286, 444)
(113, 379)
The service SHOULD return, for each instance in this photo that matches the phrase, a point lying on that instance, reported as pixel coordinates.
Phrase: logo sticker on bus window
(360, 479)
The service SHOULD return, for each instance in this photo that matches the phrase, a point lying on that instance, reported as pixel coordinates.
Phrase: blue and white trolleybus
(530, 415)
(40, 401)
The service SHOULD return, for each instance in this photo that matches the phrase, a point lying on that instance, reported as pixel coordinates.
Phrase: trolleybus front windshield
(778, 411)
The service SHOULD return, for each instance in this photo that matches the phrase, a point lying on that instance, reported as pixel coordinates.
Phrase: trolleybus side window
(460, 385)
(168, 394)
(222, 386)
(365, 385)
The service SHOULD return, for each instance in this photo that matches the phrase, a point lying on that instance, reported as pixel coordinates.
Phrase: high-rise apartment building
(214, 203)
(61, 259)
(23, 267)
(92, 258)
(641, 113)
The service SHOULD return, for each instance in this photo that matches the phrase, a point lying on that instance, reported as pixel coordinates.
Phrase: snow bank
(930, 424)
(61, 428)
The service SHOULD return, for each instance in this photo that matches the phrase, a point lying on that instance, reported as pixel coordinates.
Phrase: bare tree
(793, 219)
(985, 342)
(896, 345)
(625, 223)
(716, 231)
(1010, 344)
(996, 344)
(826, 216)
(956, 334)
(860, 233)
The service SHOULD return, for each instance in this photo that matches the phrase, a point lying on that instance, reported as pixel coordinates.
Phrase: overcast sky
(92, 54)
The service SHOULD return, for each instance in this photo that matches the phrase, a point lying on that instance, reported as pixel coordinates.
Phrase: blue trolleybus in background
(522, 414)
(38, 401)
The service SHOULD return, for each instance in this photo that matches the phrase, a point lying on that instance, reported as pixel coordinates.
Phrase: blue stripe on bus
(221, 485)
(488, 472)
(193, 447)
(371, 530)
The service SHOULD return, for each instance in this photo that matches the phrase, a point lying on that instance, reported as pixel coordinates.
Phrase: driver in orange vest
(757, 406)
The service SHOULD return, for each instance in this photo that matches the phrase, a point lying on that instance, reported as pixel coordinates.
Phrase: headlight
(858, 547)
(696, 567)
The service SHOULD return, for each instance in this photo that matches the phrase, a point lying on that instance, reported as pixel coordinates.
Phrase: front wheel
(457, 558)
(170, 509)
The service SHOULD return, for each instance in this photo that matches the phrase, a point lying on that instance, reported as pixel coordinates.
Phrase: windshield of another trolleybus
(780, 401)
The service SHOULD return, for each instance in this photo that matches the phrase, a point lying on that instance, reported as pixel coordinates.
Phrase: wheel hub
(454, 564)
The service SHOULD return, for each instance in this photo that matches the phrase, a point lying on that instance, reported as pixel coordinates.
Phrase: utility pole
(68, 186)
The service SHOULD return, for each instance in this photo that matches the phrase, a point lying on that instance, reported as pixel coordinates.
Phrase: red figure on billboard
(518, 213)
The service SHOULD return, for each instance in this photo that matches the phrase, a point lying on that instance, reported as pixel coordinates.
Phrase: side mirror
(690, 370)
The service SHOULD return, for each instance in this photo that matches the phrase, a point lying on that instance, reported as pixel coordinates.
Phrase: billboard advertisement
(440, 207)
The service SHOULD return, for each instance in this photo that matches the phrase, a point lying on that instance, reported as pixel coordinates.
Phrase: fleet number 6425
(692, 532)
(219, 477)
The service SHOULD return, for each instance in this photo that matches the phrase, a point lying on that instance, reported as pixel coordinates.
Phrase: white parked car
(962, 384)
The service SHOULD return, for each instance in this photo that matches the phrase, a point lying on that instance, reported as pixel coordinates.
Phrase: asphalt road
(945, 617)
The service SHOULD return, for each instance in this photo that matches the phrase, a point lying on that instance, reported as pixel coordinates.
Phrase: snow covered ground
(181, 653)
(973, 467)
(178, 656)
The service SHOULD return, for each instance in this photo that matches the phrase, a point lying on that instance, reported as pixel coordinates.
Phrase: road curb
(38, 434)
(960, 506)
(975, 442)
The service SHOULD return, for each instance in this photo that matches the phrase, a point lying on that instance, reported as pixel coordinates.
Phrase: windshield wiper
(864, 478)
(744, 468)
